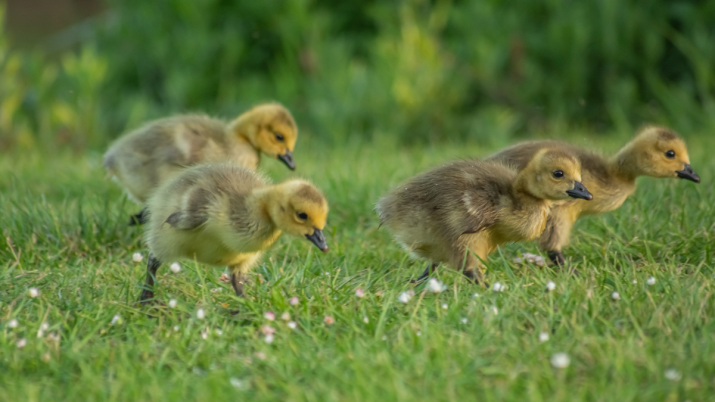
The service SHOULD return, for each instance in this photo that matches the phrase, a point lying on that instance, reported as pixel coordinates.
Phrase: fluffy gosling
(224, 214)
(655, 152)
(147, 157)
(460, 212)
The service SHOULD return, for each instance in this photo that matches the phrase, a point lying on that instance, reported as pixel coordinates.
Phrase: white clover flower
(464, 320)
(543, 336)
(634, 281)
(176, 328)
(292, 325)
(117, 319)
(44, 326)
(650, 281)
(33, 292)
(476, 295)
(293, 301)
(239, 384)
(560, 360)
(268, 315)
(137, 257)
(444, 306)
(498, 287)
(328, 319)
(418, 333)
(219, 331)
(285, 316)
(673, 375)
(268, 339)
(175, 267)
(436, 286)
(366, 320)
(550, 286)
(615, 296)
(12, 323)
(205, 333)
(359, 293)
(21, 343)
(200, 314)
(172, 303)
(267, 330)
(405, 297)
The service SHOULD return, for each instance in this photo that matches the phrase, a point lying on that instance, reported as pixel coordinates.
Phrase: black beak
(318, 238)
(287, 158)
(688, 173)
(579, 191)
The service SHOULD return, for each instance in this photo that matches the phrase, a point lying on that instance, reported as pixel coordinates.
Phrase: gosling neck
(624, 165)
(240, 130)
(263, 205)
(523, 197)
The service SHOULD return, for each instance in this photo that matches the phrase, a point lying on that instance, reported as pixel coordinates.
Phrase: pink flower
(329, 320)
(267, 330)
(293, 301)
(269, 316)
(359, 293)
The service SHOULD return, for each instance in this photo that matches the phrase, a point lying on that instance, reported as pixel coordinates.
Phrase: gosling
(655, 152)
(147, 157)
(460, 212)
(224, 214)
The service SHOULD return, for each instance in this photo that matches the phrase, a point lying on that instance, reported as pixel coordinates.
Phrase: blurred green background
(412, 71)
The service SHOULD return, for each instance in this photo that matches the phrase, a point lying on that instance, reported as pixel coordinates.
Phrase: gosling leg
(556, 257)
(139, 218)
(152, 266)
(556, 234)
(238, 280)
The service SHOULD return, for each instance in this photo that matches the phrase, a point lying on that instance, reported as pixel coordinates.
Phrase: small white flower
(200, 314)
(436, 286)
(214, 290)
(268, 338)
(560, 360)
(267, 330)
(205, 333)
(239, 384)
(117, 319)
(137, 257)
(172, 303)
(261, 355)
(359, 293)
(328, 319)
(650, 281)
(476, 295)
(497, 287)
(418, 333)
(12, 323)
(40, 333)
(268, 315)
(44, 326)
(21, 343)
(175, 267)
(176, 328)
(550, 285)
(366, 320)
(292, 325)
(285, 316)
(634, 281)
(495, 310)
(33, 292)
(615, 296)
(219, 331)
(444, 306)
(543, 336)
(464, 320)
(293, 301)
(673, 375)
(405, 297)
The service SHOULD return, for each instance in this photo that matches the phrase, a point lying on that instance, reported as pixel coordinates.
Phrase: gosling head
(301, 210)
(555, 175)
(270, 128)
(660, 152)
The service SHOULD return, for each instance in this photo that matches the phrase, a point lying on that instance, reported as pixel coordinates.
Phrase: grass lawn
(64, 233)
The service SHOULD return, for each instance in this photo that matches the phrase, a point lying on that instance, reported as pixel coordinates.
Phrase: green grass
(64, 233)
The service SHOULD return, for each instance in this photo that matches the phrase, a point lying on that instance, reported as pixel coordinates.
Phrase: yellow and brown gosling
(224, 214)
(147, 157)
(460, 212)
(655, 152)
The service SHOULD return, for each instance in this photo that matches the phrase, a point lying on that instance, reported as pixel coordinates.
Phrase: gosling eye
(302, 216)
(670, 154)
(280, 137)
(558, 174)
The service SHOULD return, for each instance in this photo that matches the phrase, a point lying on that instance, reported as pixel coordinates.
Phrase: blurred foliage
(415, 70)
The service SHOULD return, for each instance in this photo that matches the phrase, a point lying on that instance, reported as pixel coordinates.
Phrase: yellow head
(660, 152)
(270, 128)
(553, 175)
(298, 208)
